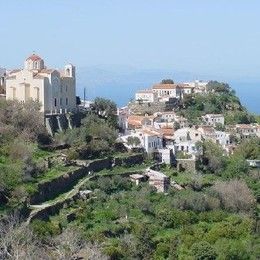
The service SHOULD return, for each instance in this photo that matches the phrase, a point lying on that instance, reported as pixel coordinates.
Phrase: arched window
(68, 72)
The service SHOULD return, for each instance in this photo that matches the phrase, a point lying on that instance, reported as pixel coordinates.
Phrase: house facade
(213, 119)
(167, 90)
(244, 131)
(146, 96)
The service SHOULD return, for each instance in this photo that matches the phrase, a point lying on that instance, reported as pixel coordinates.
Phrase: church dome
(34, 62)
(34, 57)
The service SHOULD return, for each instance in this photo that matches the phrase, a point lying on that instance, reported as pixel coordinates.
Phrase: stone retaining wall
(129, 160)
(186, 164)
(51, 189)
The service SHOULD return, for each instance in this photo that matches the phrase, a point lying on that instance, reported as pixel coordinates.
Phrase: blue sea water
(249, 94)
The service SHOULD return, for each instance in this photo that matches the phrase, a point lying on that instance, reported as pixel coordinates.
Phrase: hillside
(220, 99)
(71, 196)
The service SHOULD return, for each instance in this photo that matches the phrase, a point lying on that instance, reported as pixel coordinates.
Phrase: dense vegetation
(215, 216)
(23, 164)
(219, 99)
(21, 126)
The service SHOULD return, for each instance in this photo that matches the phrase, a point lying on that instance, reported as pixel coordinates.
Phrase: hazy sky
(206, 36)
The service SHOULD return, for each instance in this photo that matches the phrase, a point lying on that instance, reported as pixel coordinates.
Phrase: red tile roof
(164, 86)
(34, 57)
(171, 86)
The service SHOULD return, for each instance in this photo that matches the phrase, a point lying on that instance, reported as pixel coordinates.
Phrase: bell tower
(70, 71)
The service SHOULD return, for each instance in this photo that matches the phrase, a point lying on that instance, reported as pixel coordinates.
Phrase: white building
(146, 96)
(122, 117)
(187, 134)
(218, 137)
(54, 89)
(187, 147)
(198, 86)
(247, 130)
(186, 89)
(185, 140)
(171, 117)
(222, 138)
(213, 119)
(167, 90)
(150, 140)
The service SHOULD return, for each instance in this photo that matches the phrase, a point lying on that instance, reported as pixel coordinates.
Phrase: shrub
(234, 195)
(203, 251)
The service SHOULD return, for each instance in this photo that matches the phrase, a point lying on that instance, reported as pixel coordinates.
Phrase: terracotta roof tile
(34, 57)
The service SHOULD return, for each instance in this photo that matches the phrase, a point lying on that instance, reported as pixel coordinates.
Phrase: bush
(234, 195)
(195, 201)
(203, 251)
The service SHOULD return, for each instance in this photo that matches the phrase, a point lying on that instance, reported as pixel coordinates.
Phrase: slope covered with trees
(220, 99)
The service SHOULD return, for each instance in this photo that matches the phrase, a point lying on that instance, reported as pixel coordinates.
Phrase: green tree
(167, 81)
(213, 158)
(203, 251)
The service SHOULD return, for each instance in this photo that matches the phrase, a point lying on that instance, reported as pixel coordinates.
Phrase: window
(67, 101)
(55, 102)
(60, 89)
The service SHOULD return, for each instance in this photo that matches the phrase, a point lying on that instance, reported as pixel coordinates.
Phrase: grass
(40, 154)
(55, 172)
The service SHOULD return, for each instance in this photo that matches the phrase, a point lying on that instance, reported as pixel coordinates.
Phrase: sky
(199, 36)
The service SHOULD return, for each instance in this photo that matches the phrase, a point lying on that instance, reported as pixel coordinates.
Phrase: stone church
(54, 89)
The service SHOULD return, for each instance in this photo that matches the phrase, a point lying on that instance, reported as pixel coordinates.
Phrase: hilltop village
(156, 121)
(172, 175)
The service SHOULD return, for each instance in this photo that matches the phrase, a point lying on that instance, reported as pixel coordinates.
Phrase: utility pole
(84, 97)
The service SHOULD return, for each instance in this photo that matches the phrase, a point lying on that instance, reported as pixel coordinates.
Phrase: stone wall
(54, 209)
(186, 165)
(51, 210)
(99, 165)
(129, 160)
(51, 189)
